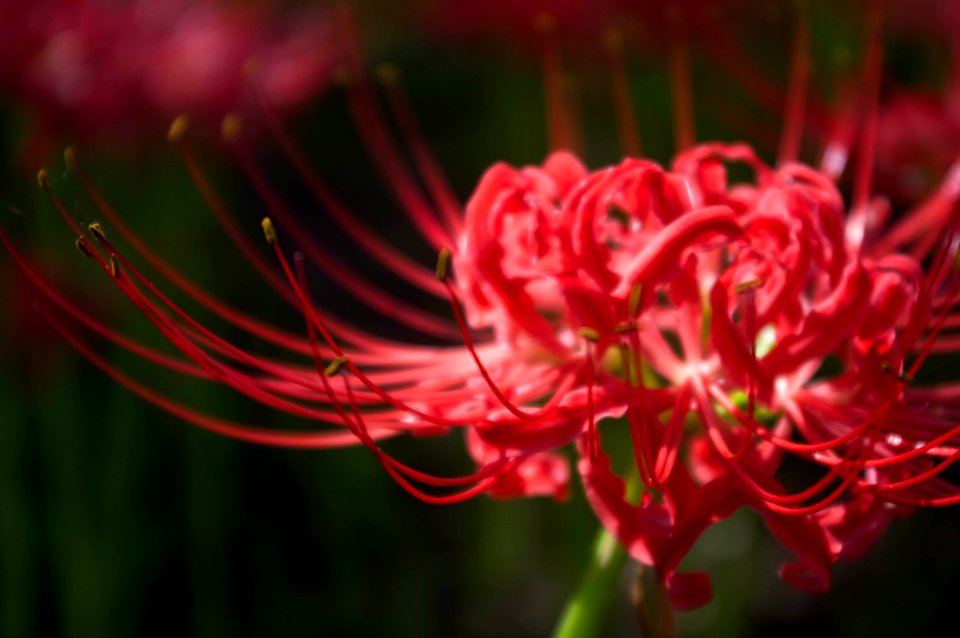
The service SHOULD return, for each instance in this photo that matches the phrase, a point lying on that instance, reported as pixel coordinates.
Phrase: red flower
(722, 324)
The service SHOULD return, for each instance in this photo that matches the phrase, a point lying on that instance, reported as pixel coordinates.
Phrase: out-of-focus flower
(97, 69)
(917, 139)
(919, 129)
(723, 324)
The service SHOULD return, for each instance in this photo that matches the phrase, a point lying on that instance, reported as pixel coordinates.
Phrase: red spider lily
(699, 314)
(96, 69)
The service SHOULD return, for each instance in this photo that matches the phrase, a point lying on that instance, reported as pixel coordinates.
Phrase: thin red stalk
(546, 410)
(437, 184)
(350, 222)
(371, 126)
(242, 432)
(866, 150)
(786, 444)
(357, 337)
(331, 342)
(670, 445)
(794, 111)
(358, 425)
(623, 107)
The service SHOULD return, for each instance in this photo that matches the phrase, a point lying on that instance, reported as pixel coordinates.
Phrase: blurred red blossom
(919, 129)
(96, 70)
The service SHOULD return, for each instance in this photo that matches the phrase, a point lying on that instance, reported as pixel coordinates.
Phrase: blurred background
(118, 520)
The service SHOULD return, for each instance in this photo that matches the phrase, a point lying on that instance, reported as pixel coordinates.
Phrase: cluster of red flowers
(723, 324)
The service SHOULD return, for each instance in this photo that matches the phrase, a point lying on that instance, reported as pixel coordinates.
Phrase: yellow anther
(114, 266)
(334, 367)
(590, 334)
(97, 230)
(388, 73)
(178, 128)
(269, 231)
(70, 157)
(443, 264)
(745, 286)
(84, 247)
(42, 178)
(626, 327)
(230, 127)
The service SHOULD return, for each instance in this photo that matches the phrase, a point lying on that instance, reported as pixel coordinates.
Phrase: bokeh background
(117, 520)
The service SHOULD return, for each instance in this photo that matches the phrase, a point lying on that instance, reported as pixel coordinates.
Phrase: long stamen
(670, 445)
(216, 206)
(437, 184)
(370, 125)
(638, 415)
(232, 429)
(332, 343)
(350, 222)
(442, 274)
(356, 285)
(777, 502)
(216, 306)
(358, 425)
(593, 441)
(866, 150)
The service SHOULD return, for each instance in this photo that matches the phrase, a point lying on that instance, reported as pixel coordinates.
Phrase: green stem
(584, 613)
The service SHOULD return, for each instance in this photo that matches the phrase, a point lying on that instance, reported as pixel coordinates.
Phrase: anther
(42, 178)
(747, 286)
(269, 232)
(83, 247)
(626, 327)
(388, 73)
(178, 128)
(334, 367)
(589, 334)
(114, 266)
(97, 230)
(443, 264)
(230, 127)
(70, 157)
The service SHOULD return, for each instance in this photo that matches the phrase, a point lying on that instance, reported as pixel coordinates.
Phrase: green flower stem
(584, 613)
